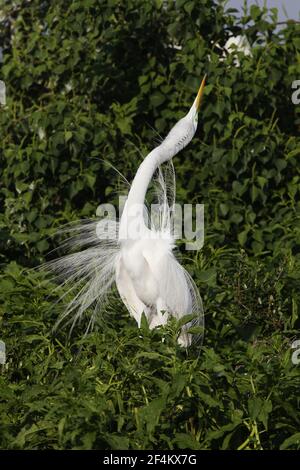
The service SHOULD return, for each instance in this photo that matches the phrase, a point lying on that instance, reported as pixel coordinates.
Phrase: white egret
(140, 260)
(234, 46)
(237, 44)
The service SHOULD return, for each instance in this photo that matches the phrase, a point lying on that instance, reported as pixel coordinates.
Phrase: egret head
(183, 131)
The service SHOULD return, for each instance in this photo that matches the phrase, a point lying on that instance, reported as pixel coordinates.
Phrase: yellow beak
(200, 93)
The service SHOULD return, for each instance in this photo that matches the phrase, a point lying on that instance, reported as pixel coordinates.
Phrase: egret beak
(200, 93)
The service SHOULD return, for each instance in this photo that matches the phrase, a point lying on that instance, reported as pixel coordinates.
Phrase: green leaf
(157, 99)
(264, 412)
(68, 136)
(291, 442)
(186, 441)
(186, 319)
(150, 414)
(224, 209)
(255, 12)
(208, 276)
(254, 406)
(242, 237)
(117, 442)
(196, 330)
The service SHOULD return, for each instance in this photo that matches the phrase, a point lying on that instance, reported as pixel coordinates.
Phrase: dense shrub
(88, 81)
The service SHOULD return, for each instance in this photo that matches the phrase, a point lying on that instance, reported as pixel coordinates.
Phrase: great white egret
(140, 260)
(238, 44)
(234, 45)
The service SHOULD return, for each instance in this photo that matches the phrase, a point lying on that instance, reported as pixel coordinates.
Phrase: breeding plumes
(135, 254)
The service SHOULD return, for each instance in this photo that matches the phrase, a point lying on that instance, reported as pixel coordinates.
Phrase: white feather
(144, 268)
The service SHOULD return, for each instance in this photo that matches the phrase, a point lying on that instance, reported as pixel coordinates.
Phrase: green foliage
(87, 81)
(143, 393)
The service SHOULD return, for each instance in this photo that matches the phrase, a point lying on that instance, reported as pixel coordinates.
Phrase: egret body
(140, 260)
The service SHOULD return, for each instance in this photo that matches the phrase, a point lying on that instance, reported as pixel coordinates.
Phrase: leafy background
(87, 81)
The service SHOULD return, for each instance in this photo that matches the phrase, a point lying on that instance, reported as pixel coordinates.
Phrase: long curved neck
(142, 178)
(133, 212)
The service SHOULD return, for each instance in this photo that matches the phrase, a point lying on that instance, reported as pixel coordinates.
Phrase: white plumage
(140, 258)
